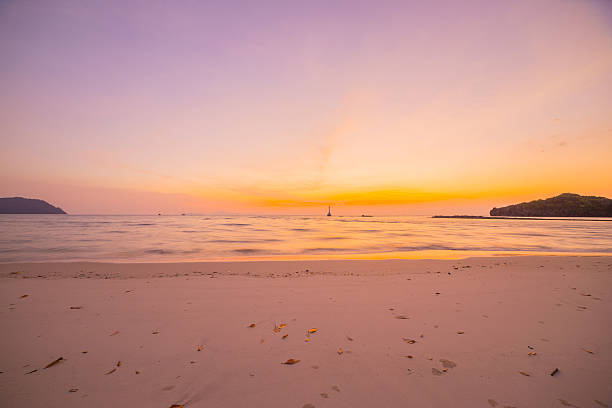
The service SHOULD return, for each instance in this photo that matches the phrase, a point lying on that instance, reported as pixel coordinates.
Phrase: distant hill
(564, 205)
(20, 205)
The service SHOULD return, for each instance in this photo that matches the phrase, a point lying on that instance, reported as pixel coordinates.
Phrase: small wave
(308, 250)
(300, 229)
(159, 251)
(235, 224)
(247, 250)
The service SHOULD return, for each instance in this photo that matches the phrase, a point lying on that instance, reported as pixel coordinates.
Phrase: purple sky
(146, 106)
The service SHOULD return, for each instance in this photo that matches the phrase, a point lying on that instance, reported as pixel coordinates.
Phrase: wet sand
(403, 333)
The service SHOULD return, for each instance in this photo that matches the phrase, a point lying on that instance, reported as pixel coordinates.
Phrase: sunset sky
(380, 107)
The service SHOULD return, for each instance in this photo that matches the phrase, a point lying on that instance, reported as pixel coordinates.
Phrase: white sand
(503, 305)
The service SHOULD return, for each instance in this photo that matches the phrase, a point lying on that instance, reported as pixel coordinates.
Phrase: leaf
(84, 352)
(54, 362)
(525, 374)
(285, 336)
(349, 338)
(306, 339)
(262, 340)
(111, 371)
(291, 361)
(533, 353)
(155, 332)
(340, 351)
(118, 363)
(76, 307)
(23, 296)
(401, 317)
(588, 351)
(276, 329)
(312, 330)
(460, 332)
(73, 390)
(115, 333)
(409, 341)
(199, 348)
(251, 325)
(282, 326)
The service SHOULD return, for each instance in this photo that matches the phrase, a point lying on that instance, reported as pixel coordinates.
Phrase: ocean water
(128, 238)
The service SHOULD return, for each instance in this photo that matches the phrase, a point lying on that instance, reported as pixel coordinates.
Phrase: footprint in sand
(448, 363)
(435, 371)
(324, 395)
(492, 402)
(336, 388)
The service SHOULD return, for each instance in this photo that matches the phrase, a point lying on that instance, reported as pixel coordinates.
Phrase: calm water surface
(26, 238)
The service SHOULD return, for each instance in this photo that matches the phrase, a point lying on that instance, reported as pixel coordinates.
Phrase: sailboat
(329, 211)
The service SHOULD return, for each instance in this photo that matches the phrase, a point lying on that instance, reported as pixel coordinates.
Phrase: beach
(475, 332)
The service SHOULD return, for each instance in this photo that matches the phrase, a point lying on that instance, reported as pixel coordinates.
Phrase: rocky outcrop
(564, 205)
(20, 205)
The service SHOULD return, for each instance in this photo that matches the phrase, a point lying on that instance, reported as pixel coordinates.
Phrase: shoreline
(268, 267)
(395, 333)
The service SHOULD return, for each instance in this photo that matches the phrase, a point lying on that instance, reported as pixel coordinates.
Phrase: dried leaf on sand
(118, 363)
(23, 296)
(251, 325)
(285, 336)
(312, 330)
(199, 348)
(401, 317)
(76, 307)
(525, 374)
(409, 341)
(291, 361)
(282, 326)
(588, 351)
(460, 332)
(533, 353)
(111, 371)
(54, 362)
(340, 351)
(115, 333)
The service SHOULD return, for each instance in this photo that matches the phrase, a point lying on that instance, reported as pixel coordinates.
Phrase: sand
(403, 333)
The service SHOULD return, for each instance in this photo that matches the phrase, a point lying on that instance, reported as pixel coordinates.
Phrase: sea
(173, 238)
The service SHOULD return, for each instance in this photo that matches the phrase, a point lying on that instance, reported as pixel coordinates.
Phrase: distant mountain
(564, 205)
(20, 205)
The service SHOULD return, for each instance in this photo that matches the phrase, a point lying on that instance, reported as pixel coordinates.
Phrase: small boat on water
(329, 211)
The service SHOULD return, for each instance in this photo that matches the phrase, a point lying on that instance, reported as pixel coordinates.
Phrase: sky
(280, 107)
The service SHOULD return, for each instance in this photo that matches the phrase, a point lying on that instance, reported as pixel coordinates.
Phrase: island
(20, 205)
(563, 205)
